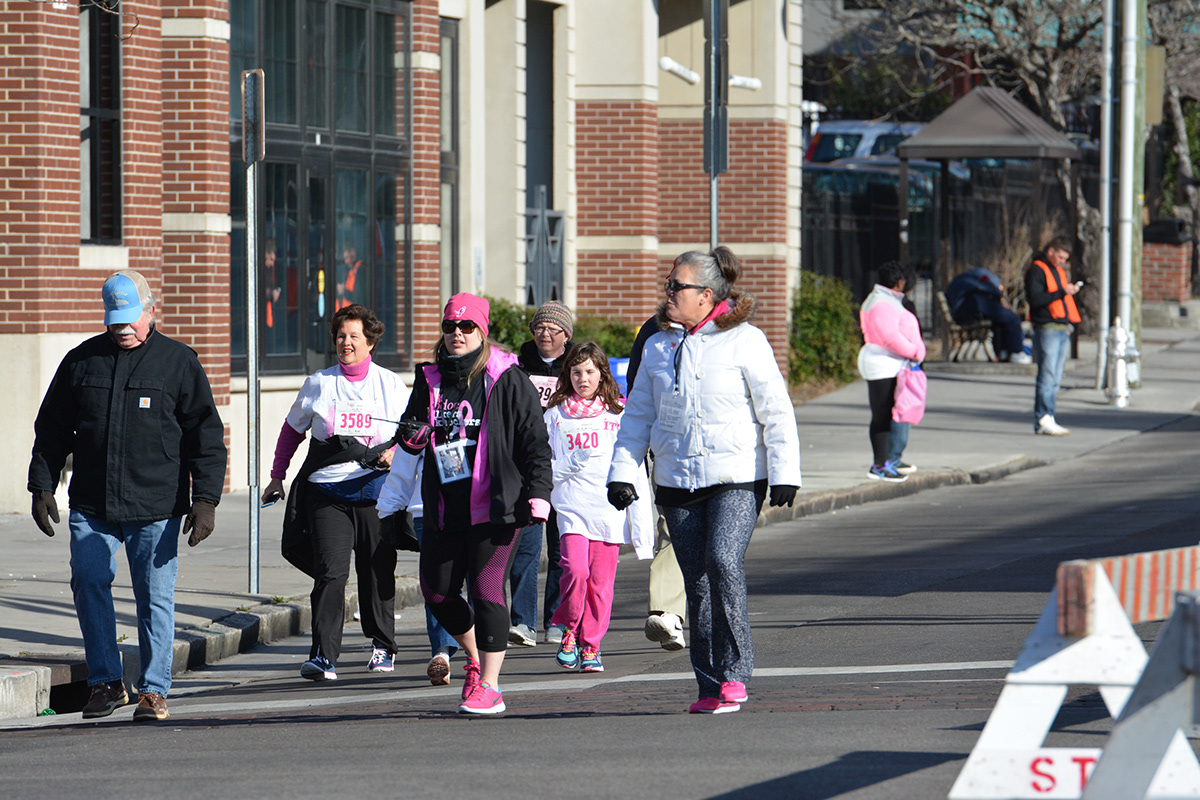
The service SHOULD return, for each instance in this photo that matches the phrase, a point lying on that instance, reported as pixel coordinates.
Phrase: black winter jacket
(143, 428)
(517, 447)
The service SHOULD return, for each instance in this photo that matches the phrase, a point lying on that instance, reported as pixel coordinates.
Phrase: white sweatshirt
(582, 451)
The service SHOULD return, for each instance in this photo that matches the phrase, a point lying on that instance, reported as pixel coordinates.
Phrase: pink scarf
(579, 408)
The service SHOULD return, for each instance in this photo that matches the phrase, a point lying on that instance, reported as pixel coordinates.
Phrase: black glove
(200, 521)
(398, 531)
(783, 495)
(413, 435)
(621, 495)
(45, 508)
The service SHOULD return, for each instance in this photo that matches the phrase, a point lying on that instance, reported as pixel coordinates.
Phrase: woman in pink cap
(487, 475)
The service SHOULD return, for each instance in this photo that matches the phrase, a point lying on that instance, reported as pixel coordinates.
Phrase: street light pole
(716, 119)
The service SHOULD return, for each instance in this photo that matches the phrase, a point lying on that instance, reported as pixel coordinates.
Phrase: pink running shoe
(483, 700)
(712, 705)
(733, 692)
(472, 678)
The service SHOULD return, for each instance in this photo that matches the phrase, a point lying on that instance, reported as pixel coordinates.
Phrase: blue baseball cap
(126, 294)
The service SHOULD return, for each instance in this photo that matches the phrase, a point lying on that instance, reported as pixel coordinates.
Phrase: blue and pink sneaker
(483, 700)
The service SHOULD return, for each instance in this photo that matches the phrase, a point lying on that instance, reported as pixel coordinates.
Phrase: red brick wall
(426, 267)
(41, 287)
(1166, 272)
(752, 208)
(616, 158)
(752, 195)
(195, 180)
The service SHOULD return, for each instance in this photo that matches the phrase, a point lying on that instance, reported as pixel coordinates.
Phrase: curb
(807, 505)
(25, 687)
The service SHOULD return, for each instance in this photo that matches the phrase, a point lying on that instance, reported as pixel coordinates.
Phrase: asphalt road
(882, 636)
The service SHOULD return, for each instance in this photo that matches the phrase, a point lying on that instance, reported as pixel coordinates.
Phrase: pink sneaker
(483, 700)
(713, 705)
(472, 677)
(733, 692)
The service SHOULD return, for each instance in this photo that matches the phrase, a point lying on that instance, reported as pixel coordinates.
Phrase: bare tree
(1169, 24)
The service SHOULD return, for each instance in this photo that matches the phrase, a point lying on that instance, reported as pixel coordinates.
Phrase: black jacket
(531, 361)
(518, 448)
(143, 428)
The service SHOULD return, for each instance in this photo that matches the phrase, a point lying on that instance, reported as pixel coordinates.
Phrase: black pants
(338, 529)
(484, 553)
(881, 395)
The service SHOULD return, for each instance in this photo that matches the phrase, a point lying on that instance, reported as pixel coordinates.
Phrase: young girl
(582, 418)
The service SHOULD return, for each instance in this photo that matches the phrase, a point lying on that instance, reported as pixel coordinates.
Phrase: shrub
(510, 327)
(509, 322)
(825, 338)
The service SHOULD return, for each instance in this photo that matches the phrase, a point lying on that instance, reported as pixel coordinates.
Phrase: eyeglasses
(465, 325)
(548, 330)
(673, 286)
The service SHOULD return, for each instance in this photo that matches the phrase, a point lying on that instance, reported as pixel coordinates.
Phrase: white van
(844, 138)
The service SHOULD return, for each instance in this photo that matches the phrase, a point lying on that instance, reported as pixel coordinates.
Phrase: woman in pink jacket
(893, 338)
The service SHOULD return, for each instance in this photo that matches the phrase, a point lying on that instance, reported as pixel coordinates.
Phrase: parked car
(836, 139)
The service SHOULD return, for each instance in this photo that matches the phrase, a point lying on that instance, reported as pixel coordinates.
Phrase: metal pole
(1129, 140)
(253, 150)
(1106, 150)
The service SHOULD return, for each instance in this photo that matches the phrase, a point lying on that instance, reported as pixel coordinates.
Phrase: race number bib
(452, 460)
(581, 434)
(545, 386)
(352, 418)
(671, 410)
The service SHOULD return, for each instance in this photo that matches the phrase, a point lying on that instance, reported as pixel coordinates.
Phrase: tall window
(331, 202)
(99, 126)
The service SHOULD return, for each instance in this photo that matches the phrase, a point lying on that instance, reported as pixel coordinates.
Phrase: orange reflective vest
(1063, 309)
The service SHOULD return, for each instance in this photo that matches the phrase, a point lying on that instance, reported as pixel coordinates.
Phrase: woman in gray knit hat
(542, 359)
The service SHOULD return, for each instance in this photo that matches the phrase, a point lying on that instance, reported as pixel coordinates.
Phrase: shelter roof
(987, 123)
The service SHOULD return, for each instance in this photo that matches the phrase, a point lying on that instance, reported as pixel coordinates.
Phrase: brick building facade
(406, 142)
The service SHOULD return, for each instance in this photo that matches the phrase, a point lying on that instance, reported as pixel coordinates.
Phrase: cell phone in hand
(272, 499)
(1078, 284)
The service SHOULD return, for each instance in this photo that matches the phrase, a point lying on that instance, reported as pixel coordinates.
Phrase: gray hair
(717, 270)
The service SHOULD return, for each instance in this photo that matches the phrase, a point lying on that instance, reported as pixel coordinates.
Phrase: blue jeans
(438, 638)
(897, 440)
(151, 549)
(1050, 349)
(523, 577)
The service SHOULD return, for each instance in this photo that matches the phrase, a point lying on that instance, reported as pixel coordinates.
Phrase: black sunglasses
(464, 325)
(675, 287)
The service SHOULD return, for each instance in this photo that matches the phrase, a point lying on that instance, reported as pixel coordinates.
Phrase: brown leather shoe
(105, 698)
(151, 706)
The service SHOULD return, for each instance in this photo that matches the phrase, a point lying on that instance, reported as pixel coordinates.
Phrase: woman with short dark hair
(351, 409)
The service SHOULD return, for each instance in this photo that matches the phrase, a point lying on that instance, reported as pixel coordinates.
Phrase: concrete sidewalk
(978, 427)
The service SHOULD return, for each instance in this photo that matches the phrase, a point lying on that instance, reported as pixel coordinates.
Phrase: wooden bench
(966, 340)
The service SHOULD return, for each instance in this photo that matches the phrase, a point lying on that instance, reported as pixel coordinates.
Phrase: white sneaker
(439, 669)
(554, 634)
(1021, 358)
(666, 629)
(1048, 427)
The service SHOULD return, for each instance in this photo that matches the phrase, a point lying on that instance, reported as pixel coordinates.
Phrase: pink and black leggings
(482, 553)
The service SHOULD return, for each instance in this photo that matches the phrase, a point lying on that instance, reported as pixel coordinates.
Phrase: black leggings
(485, 554)
(881, 395)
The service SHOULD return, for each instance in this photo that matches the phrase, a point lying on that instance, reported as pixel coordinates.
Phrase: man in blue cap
(136, 410)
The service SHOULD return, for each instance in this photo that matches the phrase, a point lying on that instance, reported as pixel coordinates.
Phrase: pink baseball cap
(468, 306)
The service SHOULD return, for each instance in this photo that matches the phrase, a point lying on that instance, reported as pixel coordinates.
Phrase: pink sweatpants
(589, 570)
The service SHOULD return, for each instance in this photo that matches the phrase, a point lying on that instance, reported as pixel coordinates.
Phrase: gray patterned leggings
(710, 541)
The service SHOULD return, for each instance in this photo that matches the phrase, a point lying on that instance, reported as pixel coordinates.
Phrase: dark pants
(552, 598)
(483, 553)
(1007, 336)
(881, 394)
(338, 529)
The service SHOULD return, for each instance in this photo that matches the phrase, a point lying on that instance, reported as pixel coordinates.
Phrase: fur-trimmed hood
(742, 306)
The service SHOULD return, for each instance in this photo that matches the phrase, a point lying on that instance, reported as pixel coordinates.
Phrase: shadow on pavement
(852, 771)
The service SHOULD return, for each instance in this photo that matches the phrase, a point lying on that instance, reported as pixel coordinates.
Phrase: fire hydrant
(1122, 360)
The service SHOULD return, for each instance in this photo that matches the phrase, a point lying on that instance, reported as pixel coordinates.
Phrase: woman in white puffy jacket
(711, 404)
